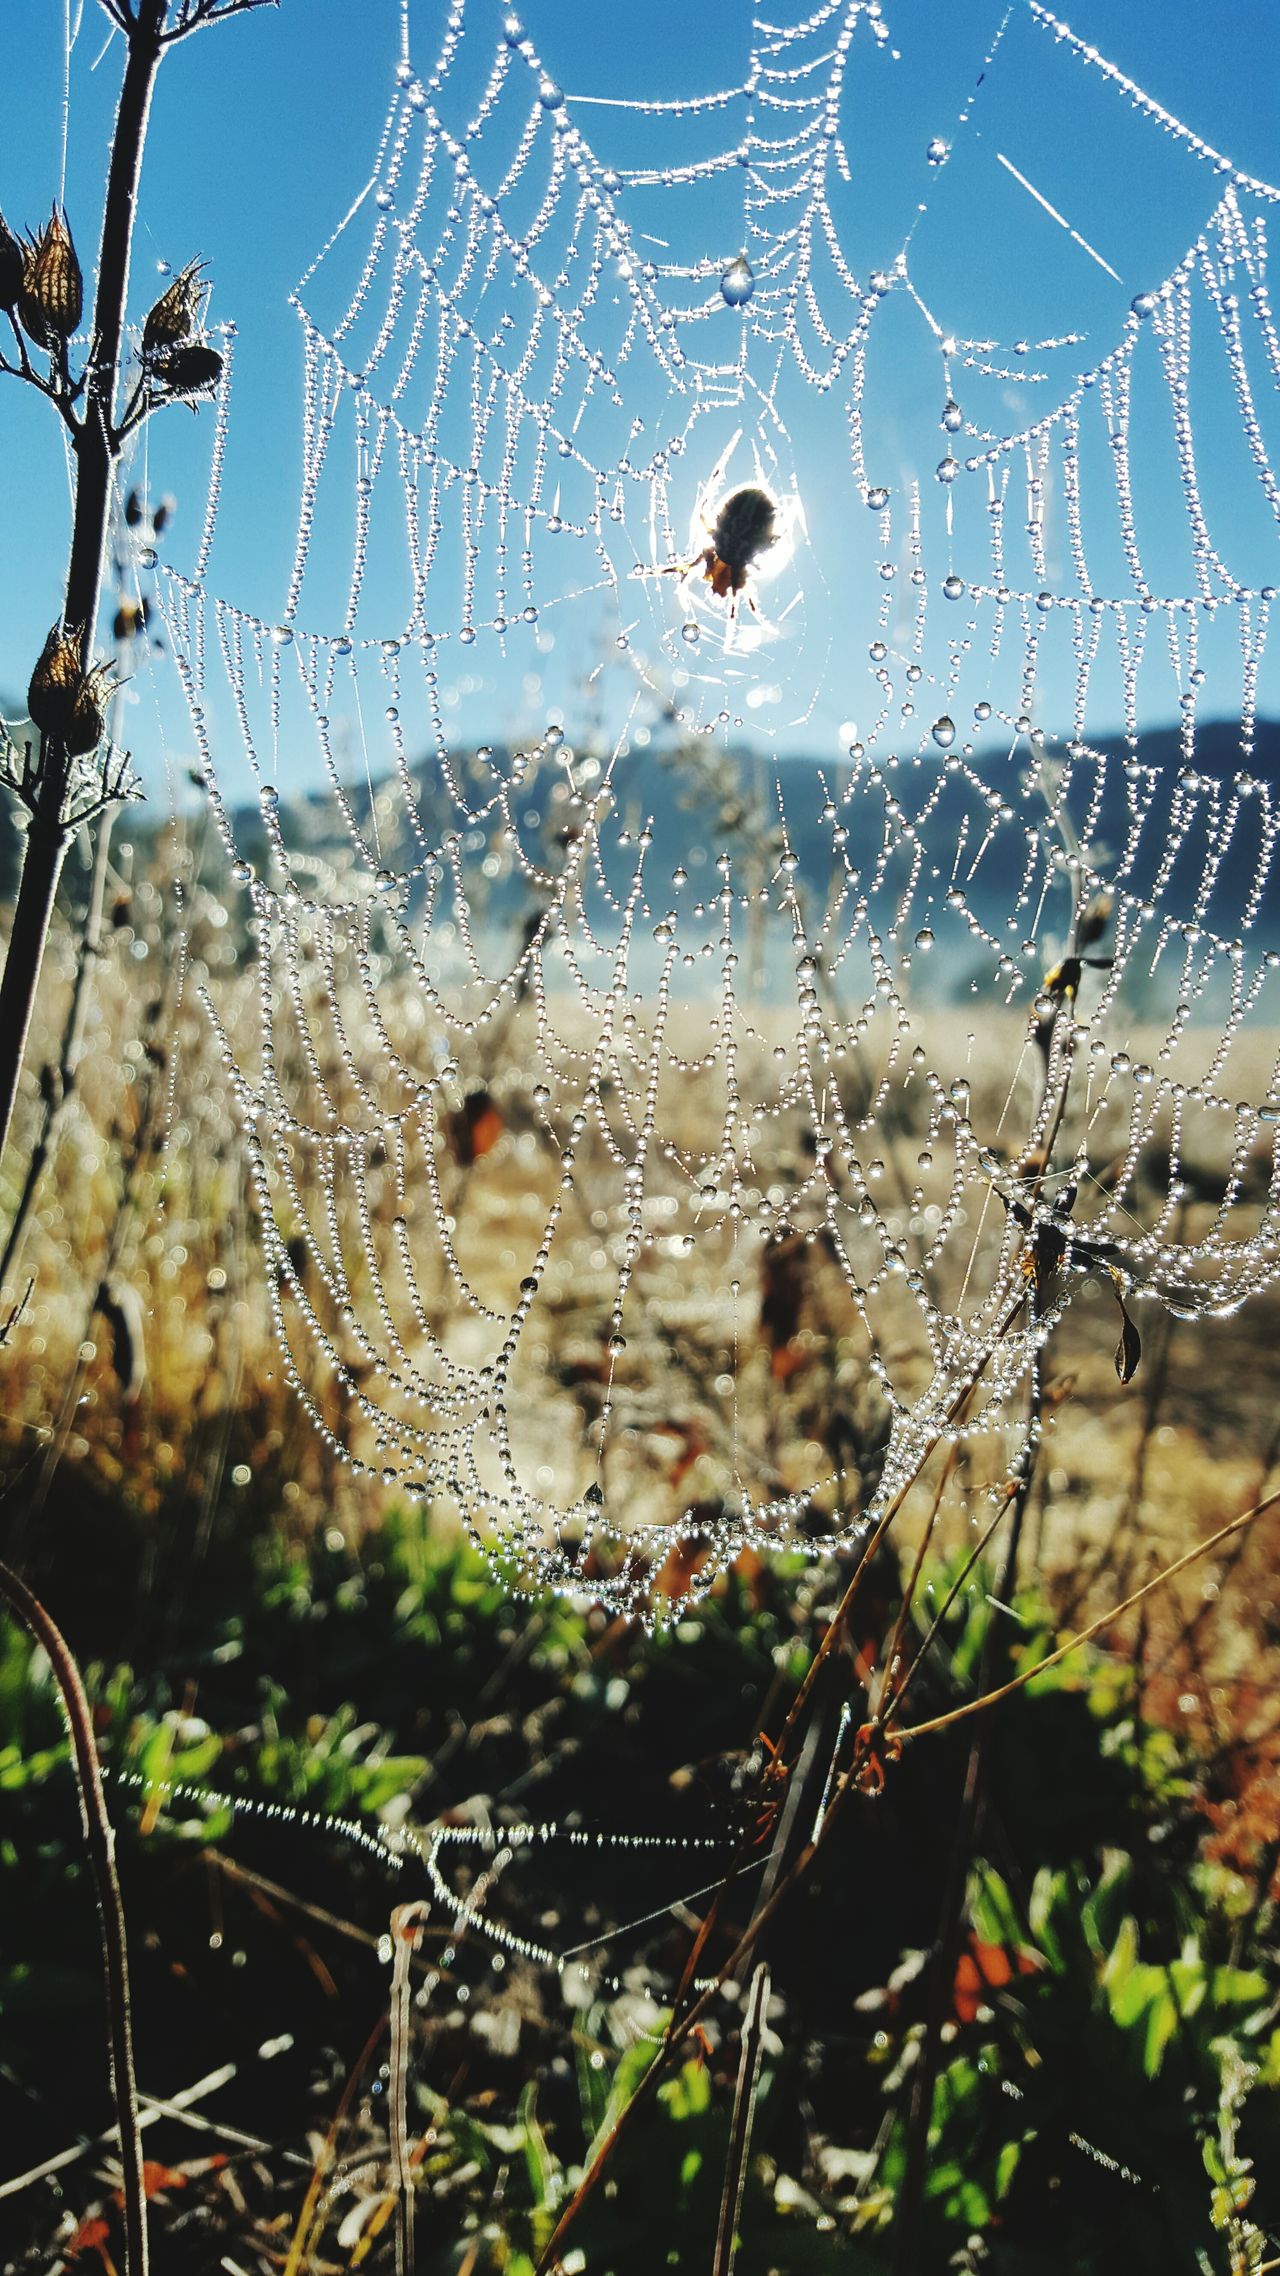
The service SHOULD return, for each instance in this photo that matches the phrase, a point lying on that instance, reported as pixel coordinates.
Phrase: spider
(744, 528)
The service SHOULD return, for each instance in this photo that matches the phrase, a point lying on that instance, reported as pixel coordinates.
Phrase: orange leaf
(982, 1969)
(91, 2236)
(475, 1128)
(157, 2178)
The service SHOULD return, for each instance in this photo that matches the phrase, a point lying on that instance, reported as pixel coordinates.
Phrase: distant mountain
(1122, 804)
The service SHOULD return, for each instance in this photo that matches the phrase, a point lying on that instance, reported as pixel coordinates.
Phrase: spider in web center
(744, 530)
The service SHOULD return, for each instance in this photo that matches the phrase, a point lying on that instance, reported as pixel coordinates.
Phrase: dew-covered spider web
(702, 1041)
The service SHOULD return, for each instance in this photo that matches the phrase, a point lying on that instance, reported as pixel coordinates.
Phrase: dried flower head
(177, 312)
(190, 370)
(64, 699)
(1094, 921)
(52, 295)
(13, 266)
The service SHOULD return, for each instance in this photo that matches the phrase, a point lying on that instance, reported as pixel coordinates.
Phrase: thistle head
(52, 295)
(177, 312)
(192, 369)
(64, 699)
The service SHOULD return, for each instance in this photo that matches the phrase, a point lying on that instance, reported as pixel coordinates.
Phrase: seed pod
(174, 317)
(12, 266)
(89, 719)
(189, 370)
(55, 682)
(65, 700)
(52, 294)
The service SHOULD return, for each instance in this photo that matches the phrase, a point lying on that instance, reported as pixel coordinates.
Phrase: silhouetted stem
(97, 446)
(100, 1842)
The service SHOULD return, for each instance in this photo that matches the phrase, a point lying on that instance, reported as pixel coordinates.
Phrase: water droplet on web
(982, 710)
(877, 498)
(924, 940)
(938, 151)
(953, 588)
(879, 282)
(947, 469)
(691, 631)
(952, 416)
(1143, 303)
(944, 732)
(467, 634)
(738, 282)
(550, 95)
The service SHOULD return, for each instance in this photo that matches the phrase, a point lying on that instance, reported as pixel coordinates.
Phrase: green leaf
(1162, 2022)
(1047, 1914)
(593, 2087)
(1006, 2167)
(545, 2177)
(1120, 1962)
(993, 1911)
(626, 2079)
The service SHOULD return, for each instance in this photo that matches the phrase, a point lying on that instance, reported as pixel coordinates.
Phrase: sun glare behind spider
(740, 538)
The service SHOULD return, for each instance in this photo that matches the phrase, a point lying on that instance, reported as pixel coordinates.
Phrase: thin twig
(1085, 1635)
(100, 1841)
(407, 1924)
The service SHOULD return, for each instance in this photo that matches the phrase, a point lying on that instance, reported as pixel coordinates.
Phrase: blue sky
(265, 130)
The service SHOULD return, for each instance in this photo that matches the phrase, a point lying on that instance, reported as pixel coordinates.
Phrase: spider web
(662, 1138)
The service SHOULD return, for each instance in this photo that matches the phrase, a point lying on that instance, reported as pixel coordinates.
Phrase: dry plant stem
(680, 2030)
(96, 444)
(846, 1603)
(684, 2019)
(407, 1923)
(847, 1785)
(910, 2202)
(100, 1843)
(744, 2107)
(305, 2234)
(1095, 1627)
(891, 1659)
